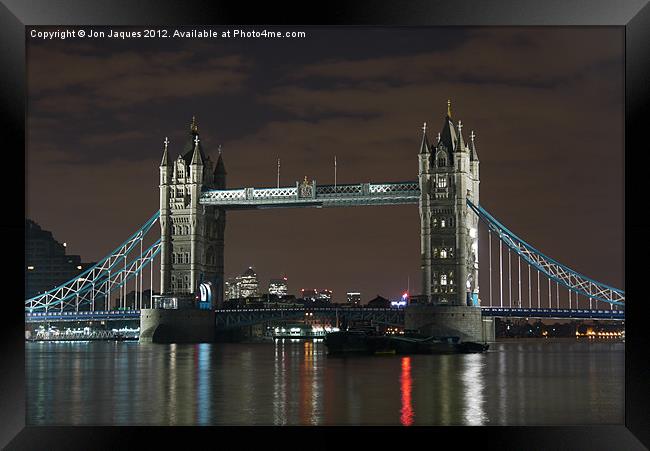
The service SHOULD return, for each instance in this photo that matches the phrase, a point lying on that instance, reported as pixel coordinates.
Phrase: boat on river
(365, 342)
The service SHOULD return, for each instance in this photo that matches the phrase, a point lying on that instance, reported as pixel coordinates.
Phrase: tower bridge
(194, 202)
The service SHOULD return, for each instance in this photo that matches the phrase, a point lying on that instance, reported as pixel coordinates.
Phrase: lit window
(443, 253)
(442, 182)
(442, 223)
(443, 279)
(31, 268)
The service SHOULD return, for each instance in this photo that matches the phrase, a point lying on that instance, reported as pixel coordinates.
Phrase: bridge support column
(177, 326)
(447, 321)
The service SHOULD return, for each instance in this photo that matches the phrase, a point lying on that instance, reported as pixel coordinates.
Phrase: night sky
(546, 105)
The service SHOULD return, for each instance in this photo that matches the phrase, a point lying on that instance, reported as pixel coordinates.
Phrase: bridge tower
(192, 235)
(448, 176)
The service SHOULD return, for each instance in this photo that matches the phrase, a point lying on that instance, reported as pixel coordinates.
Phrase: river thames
(526, 382)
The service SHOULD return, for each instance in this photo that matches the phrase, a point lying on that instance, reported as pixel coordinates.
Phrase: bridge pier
(460, 321)
(177, 326)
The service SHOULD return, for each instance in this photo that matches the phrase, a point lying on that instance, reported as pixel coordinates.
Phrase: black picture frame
(634, 15)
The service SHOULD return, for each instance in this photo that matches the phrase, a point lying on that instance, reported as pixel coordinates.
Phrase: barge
(364, 342)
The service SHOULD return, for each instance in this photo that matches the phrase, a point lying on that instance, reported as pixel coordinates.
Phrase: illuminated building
(278, 287)
(247, 284)
(231, 289)
(243, 286)
(354, 298)
(316, 294)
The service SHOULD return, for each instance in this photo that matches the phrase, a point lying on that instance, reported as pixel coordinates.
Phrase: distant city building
(241, 287)
(317, 295)
(47, 265)
(379, 302)
(354, 297)
(231, 289)
(278, 287)
(248, 284)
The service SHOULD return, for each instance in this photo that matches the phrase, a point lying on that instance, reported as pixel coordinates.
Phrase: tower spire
(193, 127)
(472, 147)
(165, 158)
(424, 147)
(449, 108)
(196, 156)
(461, 141)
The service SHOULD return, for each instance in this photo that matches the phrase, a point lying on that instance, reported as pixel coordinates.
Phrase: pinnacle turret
(165, 157)
(424, 147)
(220, 172)
(473, 155)
(196, 155)
(461, 141)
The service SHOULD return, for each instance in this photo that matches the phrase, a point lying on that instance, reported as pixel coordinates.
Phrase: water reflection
(296, 383)
(473, 413)
(406, 413)
(172, 384)
(203, 392)
(279, 382)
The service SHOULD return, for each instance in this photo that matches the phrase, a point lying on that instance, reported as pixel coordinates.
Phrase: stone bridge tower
(449, 175)
(192, 235)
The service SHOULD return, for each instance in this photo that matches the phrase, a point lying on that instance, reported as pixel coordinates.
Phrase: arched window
(442, 223)
(186, 230)
(443, 279)
(435, 222)
(443, 253)
(187, 257)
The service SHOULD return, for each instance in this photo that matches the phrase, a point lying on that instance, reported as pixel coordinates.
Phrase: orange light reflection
(406, 413)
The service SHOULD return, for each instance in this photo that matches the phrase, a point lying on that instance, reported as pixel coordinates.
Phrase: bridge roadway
(232, 318)
(310, 195)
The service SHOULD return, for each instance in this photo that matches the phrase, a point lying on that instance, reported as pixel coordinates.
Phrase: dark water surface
(533, 382)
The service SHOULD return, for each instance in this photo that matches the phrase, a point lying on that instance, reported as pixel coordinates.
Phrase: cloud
(69, 81)
(513, 56)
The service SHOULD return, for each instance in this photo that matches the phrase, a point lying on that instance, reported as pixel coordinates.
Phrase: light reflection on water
(295, 382)
(406, 413)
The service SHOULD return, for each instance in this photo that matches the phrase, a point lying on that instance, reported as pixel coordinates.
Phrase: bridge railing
(326, 195)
